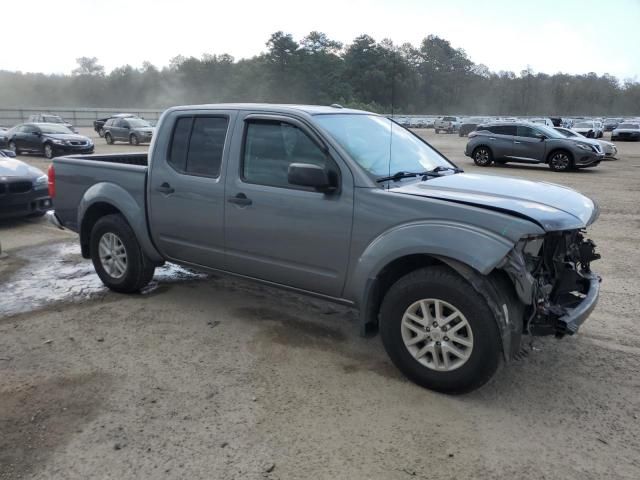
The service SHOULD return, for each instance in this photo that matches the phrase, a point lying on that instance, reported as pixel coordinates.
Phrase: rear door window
(503, 129)
(197, 145)
(526, 131)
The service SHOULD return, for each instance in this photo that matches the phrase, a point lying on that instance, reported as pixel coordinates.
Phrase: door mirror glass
(309, 175)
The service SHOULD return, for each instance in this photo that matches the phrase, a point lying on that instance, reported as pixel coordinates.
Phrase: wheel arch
(496, 288)
(482, 145)
(407, 247)
(105, 199)
(560, 149)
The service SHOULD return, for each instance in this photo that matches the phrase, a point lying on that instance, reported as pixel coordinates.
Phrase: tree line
(432, 78)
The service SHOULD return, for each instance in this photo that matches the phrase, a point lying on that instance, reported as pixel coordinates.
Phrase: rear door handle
(515, 141)
(492, 138)
(240, 199)
(165, 188)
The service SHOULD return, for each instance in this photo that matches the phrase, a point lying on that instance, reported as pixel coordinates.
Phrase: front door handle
(492, 138)
(515, 141)
(165, 188)
(240, 199)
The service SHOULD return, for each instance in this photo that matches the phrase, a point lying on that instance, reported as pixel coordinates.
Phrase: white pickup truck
(447, 124)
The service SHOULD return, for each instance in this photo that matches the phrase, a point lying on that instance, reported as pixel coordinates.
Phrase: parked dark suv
(132, 130)
(525, 142)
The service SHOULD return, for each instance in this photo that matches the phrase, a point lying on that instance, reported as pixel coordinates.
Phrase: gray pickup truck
(451, 268)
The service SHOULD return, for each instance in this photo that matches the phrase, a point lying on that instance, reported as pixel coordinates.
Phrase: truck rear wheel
(117, 257)
(439, 331)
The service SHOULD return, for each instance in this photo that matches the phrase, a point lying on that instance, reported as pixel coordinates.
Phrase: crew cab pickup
(452, 269)
(447, 124)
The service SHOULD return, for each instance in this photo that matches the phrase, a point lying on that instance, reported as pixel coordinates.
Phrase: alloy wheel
(560, 161)
(437, 334)
(113, 255)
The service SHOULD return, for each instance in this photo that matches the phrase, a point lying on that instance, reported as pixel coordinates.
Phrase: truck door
(186, 190)
(280, 232)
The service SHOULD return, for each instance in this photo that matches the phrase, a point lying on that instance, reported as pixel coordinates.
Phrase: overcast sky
(571, 36)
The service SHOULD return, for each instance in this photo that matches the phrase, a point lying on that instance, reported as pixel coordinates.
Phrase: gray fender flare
(135, 215)
(450, 243)
(501, 297)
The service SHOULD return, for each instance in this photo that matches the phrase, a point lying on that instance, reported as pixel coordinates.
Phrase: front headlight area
(41, 182)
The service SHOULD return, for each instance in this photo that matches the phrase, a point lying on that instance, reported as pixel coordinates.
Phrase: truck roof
(274, 107)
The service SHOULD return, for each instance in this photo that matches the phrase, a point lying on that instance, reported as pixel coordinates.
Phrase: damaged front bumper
(552, 277)
(574, 317)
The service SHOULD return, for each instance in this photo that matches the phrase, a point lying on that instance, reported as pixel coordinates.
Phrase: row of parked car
(50, 135)
(588, 127)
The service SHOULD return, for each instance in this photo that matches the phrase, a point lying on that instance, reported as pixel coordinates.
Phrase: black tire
(108, 138)
(133, 139)
(482, 156)
(48, 151)
(101, 133)
(443, 284)
(139, 269)
(560, 161)
(437, 130)
(14, 147)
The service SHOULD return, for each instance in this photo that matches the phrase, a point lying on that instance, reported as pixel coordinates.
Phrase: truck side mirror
(309, 175)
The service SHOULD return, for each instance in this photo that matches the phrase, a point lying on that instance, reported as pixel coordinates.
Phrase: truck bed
(123, 176)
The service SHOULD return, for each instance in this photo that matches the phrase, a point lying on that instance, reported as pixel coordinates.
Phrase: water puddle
(54, 273)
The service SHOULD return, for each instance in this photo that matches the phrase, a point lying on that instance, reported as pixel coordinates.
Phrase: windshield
(634, 126)
(583, 125)
(52, 119)
(368, 140)
(54, 129)
(137, 122)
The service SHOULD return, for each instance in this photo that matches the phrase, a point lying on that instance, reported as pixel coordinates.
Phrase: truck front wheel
(439, 331)
(117, 257)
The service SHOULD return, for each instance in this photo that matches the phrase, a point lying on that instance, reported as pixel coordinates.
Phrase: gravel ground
(206, 377)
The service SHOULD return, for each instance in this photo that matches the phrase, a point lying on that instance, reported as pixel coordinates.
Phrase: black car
(49, 139)
(23, 189)
(469, 125)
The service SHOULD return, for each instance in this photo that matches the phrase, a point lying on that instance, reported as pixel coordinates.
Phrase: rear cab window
(197, 145)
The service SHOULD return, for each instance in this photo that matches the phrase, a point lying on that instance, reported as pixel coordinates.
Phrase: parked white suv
(447, 124)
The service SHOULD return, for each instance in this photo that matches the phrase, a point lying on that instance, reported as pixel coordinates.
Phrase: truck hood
(552, 206)
(10, 167)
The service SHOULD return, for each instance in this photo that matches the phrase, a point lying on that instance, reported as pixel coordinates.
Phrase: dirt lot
(204, 377)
